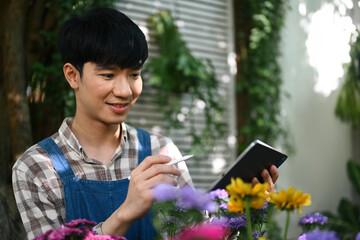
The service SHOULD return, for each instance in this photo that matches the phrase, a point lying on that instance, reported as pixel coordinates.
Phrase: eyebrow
(102, 67)
(113, 68)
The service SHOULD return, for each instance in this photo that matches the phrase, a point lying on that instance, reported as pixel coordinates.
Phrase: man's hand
(152, 171)
(269, 176)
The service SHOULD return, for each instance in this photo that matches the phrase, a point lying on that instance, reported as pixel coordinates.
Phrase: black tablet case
(256, 157)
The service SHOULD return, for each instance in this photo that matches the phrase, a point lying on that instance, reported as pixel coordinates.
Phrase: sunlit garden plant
(237, 212)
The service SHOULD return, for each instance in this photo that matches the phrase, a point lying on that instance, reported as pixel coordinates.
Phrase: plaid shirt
(38, 188)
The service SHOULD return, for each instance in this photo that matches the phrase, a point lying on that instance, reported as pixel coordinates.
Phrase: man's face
(106, 94)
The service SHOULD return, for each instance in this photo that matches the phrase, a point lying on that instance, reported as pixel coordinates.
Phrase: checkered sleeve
(165, 146)
(35, 185)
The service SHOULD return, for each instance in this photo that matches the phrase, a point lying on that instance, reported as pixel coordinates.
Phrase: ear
(72, 75)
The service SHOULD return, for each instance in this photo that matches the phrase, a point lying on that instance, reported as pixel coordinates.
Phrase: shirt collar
(68, 136)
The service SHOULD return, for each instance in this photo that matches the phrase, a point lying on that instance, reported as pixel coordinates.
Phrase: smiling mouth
(119, 105)
(118, 108)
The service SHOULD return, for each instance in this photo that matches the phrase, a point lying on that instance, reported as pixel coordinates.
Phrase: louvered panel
(207, 29)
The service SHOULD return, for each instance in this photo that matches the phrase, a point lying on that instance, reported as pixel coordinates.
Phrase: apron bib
(97, 200)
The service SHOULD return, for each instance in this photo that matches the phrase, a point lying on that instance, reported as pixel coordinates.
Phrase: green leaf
(349, 213)
(353, 171)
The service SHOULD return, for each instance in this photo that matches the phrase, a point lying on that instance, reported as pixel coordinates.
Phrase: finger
(161, 178)
(154, 170)
(158, 169)
(255, 181)
(151, 160)
(268, 179)
(274, 173)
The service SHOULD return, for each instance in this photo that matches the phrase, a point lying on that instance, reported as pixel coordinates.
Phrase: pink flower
(92, 236)
(80, 222)
(205, 231)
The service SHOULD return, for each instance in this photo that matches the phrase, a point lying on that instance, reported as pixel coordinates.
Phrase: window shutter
(206, 26)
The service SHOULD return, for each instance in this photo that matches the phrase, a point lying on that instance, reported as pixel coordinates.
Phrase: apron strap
(61, 165)
(144, 144)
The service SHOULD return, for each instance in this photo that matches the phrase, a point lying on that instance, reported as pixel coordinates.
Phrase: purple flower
(199, 199)
(357, 236)
(256, 235)
(44, 236)
(224, 221)
(319, 235)
(164, 192)
(224, 206)
(265, 206)
(63, 232)
(237, 222)
(168, 221)
(219, 193)
(313, 218)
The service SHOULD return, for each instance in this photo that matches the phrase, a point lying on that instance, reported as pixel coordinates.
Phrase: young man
(96, 166)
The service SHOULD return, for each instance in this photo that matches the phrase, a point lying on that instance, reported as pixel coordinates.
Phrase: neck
(97, 138)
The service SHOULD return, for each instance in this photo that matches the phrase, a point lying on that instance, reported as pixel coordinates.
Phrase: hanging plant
(177, 73)
(348, 102)
(258, 25)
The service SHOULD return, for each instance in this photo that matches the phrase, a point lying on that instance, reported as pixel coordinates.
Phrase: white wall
(322, 142)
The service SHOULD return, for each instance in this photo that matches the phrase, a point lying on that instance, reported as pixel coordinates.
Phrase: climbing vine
(258, 25)
(177, 73)
(348, 102)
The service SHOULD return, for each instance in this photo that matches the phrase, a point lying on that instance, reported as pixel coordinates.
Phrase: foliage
(177, 72)
(179, 210)
(348, 102)
(47, 89)
(259, 77)
(347, 221)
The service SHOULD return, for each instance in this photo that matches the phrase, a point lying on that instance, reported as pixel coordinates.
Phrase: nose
(122, 88)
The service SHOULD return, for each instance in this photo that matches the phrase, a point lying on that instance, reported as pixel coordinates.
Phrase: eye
(107, 75)
(135, 75)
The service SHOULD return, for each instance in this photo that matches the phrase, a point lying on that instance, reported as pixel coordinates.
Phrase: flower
(319, 235)
(237, 222)
(242, 189)
(290, 199)
(76, 229)
(199, 199)
(220, 220)
(164, 192)
(236, 205)
(80, 222)
(313, 218)
(256, 235)
(206, 231)
(238, 190)
(357, 236)
(103, 237)
(219, 193)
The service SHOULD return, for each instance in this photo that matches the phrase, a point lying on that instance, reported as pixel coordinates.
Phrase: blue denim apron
(97, 200)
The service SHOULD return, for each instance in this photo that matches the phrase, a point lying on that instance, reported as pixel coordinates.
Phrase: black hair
(103, 36)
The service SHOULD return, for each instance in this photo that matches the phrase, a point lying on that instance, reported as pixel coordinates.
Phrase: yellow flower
(236, 205)
(238, 190)
(242, 189)
(290, 199)
(261, 238)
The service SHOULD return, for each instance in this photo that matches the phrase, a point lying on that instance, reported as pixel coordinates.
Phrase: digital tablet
(256, 157)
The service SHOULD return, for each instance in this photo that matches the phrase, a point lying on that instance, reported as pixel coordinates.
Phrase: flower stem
(287, 224)
(248, 219)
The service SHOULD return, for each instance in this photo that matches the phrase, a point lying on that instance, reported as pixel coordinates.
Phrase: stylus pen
(184, 158)
(175, 161)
